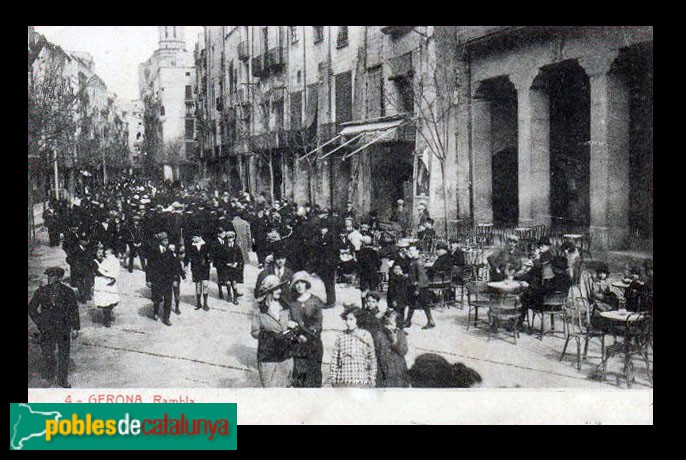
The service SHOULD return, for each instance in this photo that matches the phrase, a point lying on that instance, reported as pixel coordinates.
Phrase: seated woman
(443, 263)
(601, 291)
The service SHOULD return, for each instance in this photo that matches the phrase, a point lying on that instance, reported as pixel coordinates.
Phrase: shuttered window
(296, 109)
(344, 97)
(375, 102)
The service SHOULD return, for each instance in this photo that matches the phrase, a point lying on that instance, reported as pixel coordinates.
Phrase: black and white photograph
(386, 208)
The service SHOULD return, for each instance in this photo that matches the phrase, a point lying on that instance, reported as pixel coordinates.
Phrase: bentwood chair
(578, 327)
(553, 305)
(478, 297)
(505, 307)
(440, 287)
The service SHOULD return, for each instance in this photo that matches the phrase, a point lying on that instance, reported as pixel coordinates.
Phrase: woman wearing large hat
(306, 311)
(270, 326)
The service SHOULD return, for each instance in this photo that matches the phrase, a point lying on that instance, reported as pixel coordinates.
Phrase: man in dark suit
(134, 238)
(163, 268)
(82, 268)
(55, 310)
(326, 260)
(277, 265)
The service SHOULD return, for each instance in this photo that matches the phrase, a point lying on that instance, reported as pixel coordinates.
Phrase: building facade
(505, 125)
(76, 128)
(166, 90)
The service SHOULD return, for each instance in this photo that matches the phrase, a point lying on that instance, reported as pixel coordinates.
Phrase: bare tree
(428, 99)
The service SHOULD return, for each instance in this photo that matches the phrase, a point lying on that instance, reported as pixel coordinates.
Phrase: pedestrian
(306, 311)
(163, 269)
(390, 353)
(134, 239)
(326, 261)
(82, 269)
(243, 234)
(106, 290)
(353, 359)
(55, 311)
(271, 325)
(198, 255)
(419, 289)
(180, 274)
(396, 297)
(277, 264)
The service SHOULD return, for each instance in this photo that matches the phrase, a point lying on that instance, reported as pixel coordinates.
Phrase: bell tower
(171, 37)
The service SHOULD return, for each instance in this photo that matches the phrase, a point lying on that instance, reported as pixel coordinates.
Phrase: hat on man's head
(603, 268)
(55, 271)
(512, 237)
(400, 201)
(544, 240)
(162, 236)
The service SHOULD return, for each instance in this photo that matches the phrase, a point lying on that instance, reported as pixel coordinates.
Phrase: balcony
(274, 61)
(401, 66)
(243, 54)
(257, 66)
(396, 31)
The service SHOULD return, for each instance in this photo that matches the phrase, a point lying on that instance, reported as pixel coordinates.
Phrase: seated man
(508, 256)
(444, 262)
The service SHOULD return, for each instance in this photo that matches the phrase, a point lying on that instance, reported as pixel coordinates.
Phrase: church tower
(171, 37)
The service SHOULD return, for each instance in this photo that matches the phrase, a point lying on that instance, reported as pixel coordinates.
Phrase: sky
(116, 50)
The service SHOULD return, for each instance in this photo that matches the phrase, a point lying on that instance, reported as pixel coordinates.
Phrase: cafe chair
(478, 296)
(553, 305)
(460, 277)
(636, 343)
(440, 286)
(578, 327)
(504, 308)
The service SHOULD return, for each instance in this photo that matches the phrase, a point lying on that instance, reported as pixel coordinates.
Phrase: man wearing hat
(55, 310)
(82, 268)
(163, 269)
(277, 265)
(134, 239)
(506, 259)
(326, 260)
(399, 216)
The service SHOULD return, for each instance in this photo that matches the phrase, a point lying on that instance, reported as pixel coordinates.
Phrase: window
(294, 34)
(342, 39)
(174, 31)
(405, 94)
(166, 32)
(173, 63)
(375, 102)
(188, 74)
(265, 40)
(344, 100)
(318, 32)
(296, 109)
(189, 128)
(189, 92)
(298, 77)
(277, 108)
(161, 110)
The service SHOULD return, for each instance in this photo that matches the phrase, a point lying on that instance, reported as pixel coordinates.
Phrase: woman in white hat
(306, 311)
(270, 326)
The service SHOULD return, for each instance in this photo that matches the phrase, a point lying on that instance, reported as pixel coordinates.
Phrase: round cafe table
(508, 287)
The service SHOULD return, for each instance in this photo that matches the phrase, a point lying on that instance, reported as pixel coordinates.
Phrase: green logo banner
(40, 426)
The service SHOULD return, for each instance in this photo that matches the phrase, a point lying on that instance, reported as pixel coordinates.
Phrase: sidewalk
(215, 349)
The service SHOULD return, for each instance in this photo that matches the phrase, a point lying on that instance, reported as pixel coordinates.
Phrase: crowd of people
(164, 230)
(171, 229)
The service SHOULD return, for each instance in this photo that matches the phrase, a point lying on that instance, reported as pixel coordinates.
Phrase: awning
(369, 133)
(371, 127)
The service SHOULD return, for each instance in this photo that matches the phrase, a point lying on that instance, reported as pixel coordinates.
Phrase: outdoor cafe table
(620, 284)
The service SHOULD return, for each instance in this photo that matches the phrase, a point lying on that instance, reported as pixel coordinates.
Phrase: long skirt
(276, 375)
